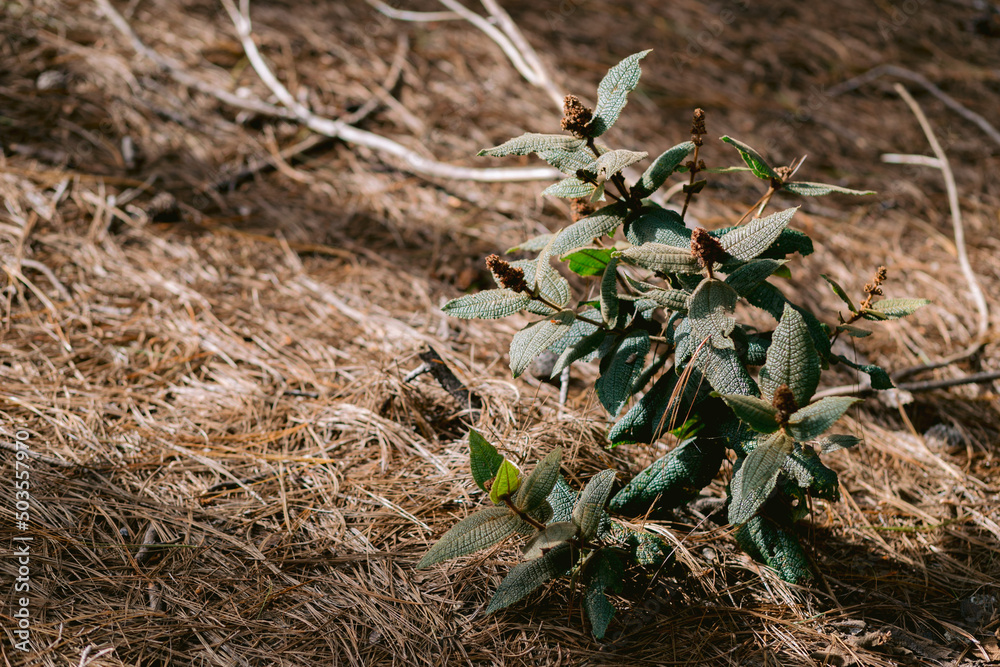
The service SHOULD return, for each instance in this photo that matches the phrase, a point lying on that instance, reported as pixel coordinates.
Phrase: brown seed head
(698, 126)
(784, 403)
(874, 288)
(576, 117)
(706, 248)
(507, 276)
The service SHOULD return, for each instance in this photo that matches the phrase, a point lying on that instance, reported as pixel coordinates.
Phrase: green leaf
(659, 225)
(811, 421)
(612, 92)
(755, 237)
(840, 292)
(756, 354)
(532, 245)
(662, 258)
(646, 550)
(606, 573)
(532, 340)
(818, 189)
(568, 161)
(589, 261)
(671, 299)
(780, 549)
(589, 508)
(484, 459)
(661, 169)
(536, 143)
(758, 414)
(577, 332)
(554, 534)
(506, 482)
(709, 309)
(562, 499)
(583, 232)
(645, 417)
(571, 188)
(835, 441)
(755, 479)
(579, 350)
(615, 384)
(672, 480)
(856, 332)
(474, 532)
(789, 241)
(551, 290)
(894, 309)
(488, 304)
(791, 359)
(539, 483)
(879, 378)
(612, 163)
(758, 165)
(528, 576)
(805, 467)
(751, 274)
(547, 281)
(609, 294)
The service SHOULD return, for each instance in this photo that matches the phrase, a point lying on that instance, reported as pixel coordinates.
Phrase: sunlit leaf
(662, 258)
(612, 92)
(488, 304)
(755, 479)
(818, 189)
(662, 168)
(840, 292)
(536, 488)
(758, 165)
(532, 340)
(570, 188)
(477, 531)
(589, 261)
(813, 420)
(484, 459)
(791, 359)
(505, 483)
(583, 232)
(755, 237)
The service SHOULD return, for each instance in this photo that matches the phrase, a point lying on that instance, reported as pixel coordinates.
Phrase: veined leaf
(835, 441)
(818, 189)
(553, 535)
(813, 420)
(569, 160)
(505, 483)
(570, 187)
(755, 237)
(606, 573)
(780, 549)
(536, 488)
(758, 414)
(879, 378)
(612, 92)
(535, 143)
(484, 459)
(532, 245)
(659, 225)
(753, 273)
(488, 304)
(528, 576)
(661, 169)
(758, 165)
(532, 340)
(562, 499)
(577, 332)
(671, 299)
(609, 294)
(579, 350)
(548, 282)
(589, 261)
(615, 384)
(583, 232)
(804, 466)
(791, 359)
(613, 162)
(709, 309)
(840, 292)
(755, 479)
(477, 531)
(659, 257)
(894, 309)
(856, 332)
(589, 508)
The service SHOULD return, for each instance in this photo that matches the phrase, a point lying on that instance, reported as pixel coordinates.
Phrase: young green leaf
(609, 294)
(662, 258)
(615, 384)
(488, 304)
(528, 576)
(476, 531)
(758, 165)
(583, 232)
(759, 415)
(612, 92)
(589, 509)
(532, 340)
(755, 237)
(791, 359)
(818, 189)
(661, 169)
(894, 309)
(606, 573)
(553, 535)
(506, 482)
(484, 459)
(813, 420)
(539, 484)
(589, 261)
(613, 162)
(755, 479)
(840, 292)
(570, 187)
(659, 225)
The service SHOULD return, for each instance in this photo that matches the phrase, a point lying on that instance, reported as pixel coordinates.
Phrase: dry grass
(231, 468)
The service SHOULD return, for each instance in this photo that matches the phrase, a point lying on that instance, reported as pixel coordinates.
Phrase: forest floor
(209, 313)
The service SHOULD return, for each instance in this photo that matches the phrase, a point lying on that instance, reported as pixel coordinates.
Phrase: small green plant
(663, 325)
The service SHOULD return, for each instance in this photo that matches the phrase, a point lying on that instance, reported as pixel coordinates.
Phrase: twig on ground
(446, 378)
(412, 161)
(912, 387)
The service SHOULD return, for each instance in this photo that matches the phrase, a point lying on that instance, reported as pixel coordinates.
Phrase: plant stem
(694, 172)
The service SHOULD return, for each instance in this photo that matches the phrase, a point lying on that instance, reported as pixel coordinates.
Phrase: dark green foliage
(662, 316)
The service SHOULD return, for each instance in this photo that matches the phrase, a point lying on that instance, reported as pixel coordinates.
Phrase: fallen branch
(865, 389)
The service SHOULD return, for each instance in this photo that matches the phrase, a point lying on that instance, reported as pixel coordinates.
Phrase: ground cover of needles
(209, 354)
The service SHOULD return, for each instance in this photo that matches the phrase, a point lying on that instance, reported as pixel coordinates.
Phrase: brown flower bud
(506, 275)
(706, 248)
(576, 117)
(784, 403)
